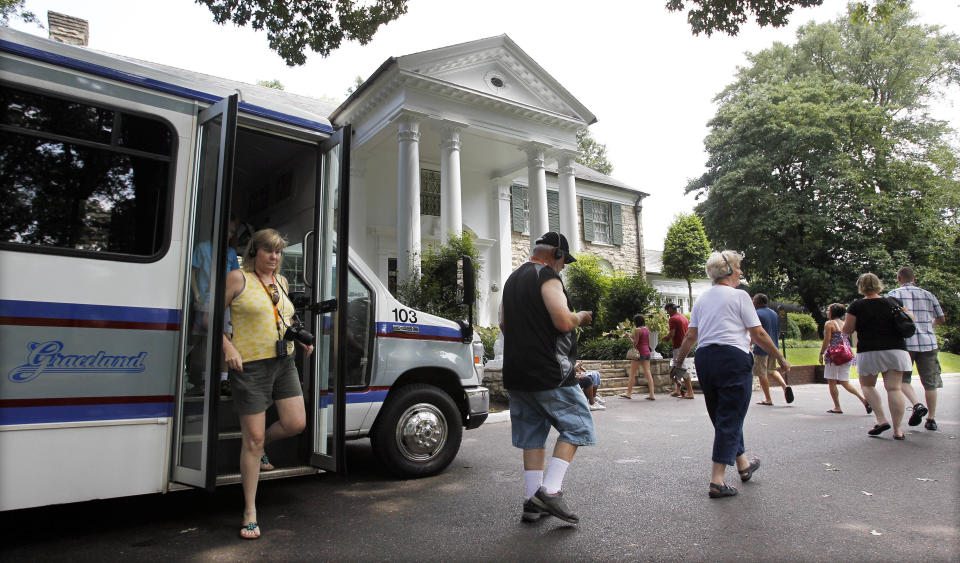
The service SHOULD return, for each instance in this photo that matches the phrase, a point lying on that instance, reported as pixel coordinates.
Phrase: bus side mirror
(467, 288)
(467, 281)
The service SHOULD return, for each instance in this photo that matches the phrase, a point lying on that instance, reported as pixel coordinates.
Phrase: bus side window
(77, 177)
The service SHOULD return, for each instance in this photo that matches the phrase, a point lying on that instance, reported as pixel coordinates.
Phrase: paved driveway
(826, 492)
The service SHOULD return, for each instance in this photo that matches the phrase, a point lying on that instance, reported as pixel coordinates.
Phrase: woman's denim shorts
(532, 413)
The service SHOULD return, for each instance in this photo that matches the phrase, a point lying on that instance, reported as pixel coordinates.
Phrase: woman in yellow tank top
(262, 369)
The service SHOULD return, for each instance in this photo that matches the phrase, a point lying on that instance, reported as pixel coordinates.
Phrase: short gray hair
(720, 264)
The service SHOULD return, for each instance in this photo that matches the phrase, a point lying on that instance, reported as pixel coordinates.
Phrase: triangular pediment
(496, 67)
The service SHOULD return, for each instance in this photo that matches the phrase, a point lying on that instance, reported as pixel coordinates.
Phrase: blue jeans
(532, 413)
(726, 378)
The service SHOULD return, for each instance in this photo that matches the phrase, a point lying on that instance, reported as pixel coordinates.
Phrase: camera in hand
(297, 333)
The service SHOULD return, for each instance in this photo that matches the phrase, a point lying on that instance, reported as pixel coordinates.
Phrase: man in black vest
(540, 350)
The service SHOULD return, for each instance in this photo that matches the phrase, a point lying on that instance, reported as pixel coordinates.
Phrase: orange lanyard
(276, 313)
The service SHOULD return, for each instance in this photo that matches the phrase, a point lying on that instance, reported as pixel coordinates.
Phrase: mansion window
(429, 192)
(602, 222)
(520, 205)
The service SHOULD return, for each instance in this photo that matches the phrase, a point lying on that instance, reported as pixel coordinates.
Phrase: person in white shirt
(722, 323)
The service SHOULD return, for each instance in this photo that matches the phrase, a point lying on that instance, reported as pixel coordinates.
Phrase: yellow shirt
(255, 330)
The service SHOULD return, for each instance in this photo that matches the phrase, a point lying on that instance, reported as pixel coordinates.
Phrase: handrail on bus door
(306, 282)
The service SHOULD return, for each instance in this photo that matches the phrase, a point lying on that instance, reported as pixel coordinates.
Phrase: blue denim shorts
(532, 413)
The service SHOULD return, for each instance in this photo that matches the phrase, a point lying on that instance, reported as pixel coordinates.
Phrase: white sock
(532, 479)
(553, 480)
(223, 376)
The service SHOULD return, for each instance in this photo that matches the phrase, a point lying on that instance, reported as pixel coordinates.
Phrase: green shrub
(948, 338)
(586, 285)
(488, 335)
(435, 290)
(805, 323)
(791, 330)
(602, 348)
(626, 296)
(665, 348)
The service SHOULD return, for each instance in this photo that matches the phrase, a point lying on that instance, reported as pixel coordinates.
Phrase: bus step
(279, 473)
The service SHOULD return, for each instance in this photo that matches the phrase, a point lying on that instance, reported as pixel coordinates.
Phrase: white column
(501, 188)
(408, 197)
(358, 204)
(537, 190)
(569, 225)
(504, 249)
(451, 210)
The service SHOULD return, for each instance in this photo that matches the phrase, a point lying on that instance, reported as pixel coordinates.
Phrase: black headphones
(558, 253)
(729, 267)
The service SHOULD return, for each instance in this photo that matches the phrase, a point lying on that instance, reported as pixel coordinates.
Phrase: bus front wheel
(418, 431)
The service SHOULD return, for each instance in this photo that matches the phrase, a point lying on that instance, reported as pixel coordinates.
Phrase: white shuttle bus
(119, 179)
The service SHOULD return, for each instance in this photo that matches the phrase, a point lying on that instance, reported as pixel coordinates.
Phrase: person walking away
(641, 343)
(838, 373)
(540, 349)
(922, 346)
(763, 365)
(880, 350)
(677, 324)
(724, 321)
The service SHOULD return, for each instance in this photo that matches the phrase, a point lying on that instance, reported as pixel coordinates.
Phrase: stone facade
(624, 258)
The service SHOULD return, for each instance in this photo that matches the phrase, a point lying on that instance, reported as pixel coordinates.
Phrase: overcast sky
(633, 64)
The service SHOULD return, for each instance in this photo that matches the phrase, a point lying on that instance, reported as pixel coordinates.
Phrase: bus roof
(260, 101)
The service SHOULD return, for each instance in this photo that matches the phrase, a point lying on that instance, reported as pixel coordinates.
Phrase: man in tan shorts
(764, 365)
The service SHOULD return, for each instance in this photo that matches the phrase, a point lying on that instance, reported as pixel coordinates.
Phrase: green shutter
(587, 219)
(518, 194)
(553, 210)
(617, 214)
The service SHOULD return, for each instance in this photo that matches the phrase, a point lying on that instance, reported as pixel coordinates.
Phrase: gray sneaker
(554, 505)
(531, 512)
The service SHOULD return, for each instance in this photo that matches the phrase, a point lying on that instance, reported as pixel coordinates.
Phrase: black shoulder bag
(901, 319)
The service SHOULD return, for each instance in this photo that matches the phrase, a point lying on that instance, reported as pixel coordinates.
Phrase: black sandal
(746, 474)
(878, 429)
(720, 491)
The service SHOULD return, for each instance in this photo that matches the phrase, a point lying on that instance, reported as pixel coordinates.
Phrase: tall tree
(592, 154)
(274, 83)
(685, 251)
(293, 26)
(17, 9)
(728, 15)
(824, 163)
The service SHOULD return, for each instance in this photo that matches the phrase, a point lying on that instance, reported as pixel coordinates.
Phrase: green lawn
(949, 363)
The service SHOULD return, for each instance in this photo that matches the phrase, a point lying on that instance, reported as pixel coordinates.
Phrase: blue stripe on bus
(153, 84)
(84, 312)
(82, 413)
(419, 330)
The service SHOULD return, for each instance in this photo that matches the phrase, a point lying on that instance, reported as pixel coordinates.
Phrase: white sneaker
(597, 407)
(599, 400)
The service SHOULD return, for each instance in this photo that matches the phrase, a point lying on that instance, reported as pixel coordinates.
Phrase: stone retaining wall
(493, 377)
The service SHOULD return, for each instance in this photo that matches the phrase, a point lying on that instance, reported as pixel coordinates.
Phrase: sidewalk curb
(494, 417)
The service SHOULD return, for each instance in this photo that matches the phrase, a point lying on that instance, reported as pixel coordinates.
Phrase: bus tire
(418, 431)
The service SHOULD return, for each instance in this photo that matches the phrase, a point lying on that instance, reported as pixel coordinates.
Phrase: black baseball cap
(553, 238)
(669, 306)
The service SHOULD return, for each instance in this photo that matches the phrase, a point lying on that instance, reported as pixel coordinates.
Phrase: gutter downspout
(641, 255)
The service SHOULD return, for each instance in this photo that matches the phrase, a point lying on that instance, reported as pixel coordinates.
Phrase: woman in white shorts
(838, 373)
(880, 349)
